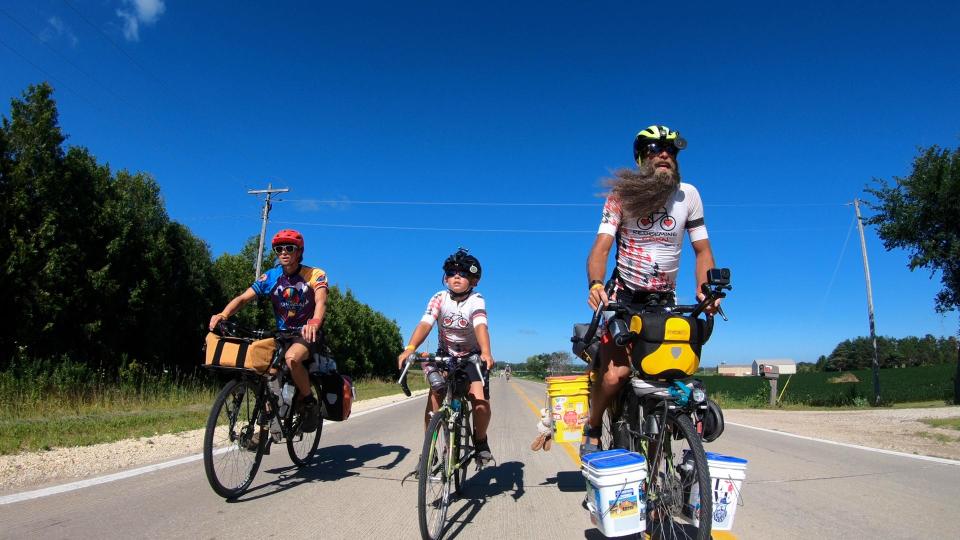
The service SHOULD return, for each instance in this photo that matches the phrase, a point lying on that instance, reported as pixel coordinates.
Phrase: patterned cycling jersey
(293, 296)
(458, 321)
(648, 247)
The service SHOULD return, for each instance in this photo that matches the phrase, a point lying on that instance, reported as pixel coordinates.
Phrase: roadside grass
(31, 420)
(939, 437)
(949, 423)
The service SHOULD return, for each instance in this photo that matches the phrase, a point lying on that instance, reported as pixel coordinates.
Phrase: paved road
(794, 489)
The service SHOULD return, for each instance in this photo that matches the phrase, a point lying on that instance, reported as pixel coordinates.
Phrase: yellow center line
(567, 447)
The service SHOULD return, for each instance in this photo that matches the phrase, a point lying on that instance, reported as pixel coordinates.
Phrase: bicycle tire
(434, 482)
(461, 450)
(672, 474)
(229, 462)
(301, 446)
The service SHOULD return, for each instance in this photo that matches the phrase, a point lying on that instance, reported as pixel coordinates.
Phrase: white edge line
(80, 484)
(944, 461)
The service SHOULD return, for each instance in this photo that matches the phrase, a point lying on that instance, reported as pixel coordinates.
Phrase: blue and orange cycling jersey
(293, 296)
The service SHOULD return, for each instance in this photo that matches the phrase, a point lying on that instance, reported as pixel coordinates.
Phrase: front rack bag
(239, 353)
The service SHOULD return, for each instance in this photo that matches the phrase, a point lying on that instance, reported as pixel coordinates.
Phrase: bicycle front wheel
(463, 450)
(233, 442)
(301, 446)
(679, 498)
(435, 478)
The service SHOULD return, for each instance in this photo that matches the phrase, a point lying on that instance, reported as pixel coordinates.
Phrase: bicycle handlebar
(412, 359)
(235, 329)
(712, 291)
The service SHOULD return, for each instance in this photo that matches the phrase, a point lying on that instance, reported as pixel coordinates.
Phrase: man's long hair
(645, 190)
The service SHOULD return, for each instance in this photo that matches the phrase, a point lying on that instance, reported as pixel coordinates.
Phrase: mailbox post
(770, 373)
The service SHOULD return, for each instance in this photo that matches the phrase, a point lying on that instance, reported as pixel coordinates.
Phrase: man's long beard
(645, 190)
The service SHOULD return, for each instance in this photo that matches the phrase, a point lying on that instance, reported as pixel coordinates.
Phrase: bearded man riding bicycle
(646, 212)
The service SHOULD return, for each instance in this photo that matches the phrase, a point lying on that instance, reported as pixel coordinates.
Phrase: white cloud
(135, 12)
(57, 29)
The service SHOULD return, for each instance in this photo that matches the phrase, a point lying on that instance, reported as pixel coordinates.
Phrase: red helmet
(288, 236)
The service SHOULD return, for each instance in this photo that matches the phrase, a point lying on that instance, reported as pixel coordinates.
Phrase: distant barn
(734, 370)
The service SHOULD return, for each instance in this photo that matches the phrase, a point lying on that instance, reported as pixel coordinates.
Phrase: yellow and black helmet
(653, 134)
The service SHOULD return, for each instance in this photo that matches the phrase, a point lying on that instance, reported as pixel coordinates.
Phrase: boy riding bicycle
(462, 316)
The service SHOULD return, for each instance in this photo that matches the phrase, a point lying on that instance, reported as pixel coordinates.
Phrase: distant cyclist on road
(646, 212)
(299, 295)
(461, 316)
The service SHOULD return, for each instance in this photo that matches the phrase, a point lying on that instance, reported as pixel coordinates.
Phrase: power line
(522, 231)
(123, 51)
(336, 202)
(63, 57)
(50, 76)
(836, 269)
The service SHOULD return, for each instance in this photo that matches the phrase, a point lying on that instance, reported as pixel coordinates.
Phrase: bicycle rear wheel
(301, 446)
(435, 478)
(233, 442)
(678, 483)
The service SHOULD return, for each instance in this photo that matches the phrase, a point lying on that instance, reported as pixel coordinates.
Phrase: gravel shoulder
(33, 469)
(891, 429)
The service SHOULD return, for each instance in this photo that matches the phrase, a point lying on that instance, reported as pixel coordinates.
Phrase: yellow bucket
(569, 405)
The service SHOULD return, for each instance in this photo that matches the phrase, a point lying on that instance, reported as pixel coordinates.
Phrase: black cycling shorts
(474, 377)
(312, 348)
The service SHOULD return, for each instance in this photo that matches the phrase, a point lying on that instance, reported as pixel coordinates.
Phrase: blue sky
(789, 113)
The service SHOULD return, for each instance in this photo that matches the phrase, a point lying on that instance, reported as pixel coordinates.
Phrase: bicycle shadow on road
(489, 482)
(331, 463)
(567, 481)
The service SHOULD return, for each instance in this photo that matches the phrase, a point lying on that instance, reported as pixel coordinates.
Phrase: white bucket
(615, 497)
(727, 474)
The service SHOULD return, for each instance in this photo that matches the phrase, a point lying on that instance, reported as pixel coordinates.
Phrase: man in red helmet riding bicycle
(646, 212)
(299, 295)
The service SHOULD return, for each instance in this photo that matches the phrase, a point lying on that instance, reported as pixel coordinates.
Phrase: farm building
(734, 370)
(784, 366)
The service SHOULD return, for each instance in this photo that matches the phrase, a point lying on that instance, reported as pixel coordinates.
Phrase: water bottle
(274, 386)
(286, 397)
(275, 433)
(455, 405)
(435, 378)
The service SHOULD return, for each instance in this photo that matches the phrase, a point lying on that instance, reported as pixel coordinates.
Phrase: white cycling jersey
(648, 247)
(457, 321)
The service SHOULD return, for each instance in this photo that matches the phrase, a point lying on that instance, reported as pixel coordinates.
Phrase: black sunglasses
(655, 147)
(286, 248)
(461, 273)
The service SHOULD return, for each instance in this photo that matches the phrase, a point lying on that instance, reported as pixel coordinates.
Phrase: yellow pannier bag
(239, 353)
(668, 346)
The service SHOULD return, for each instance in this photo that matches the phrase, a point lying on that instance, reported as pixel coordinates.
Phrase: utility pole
(266, 213)
(873, 331)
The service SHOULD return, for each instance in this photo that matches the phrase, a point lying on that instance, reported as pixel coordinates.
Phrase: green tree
(919, 214)
(234, 274)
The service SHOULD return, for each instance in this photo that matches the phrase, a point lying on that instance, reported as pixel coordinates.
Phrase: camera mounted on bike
(718, 277)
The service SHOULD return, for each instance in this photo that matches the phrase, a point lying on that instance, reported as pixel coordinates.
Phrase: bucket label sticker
(723, 496)
(626, 504)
